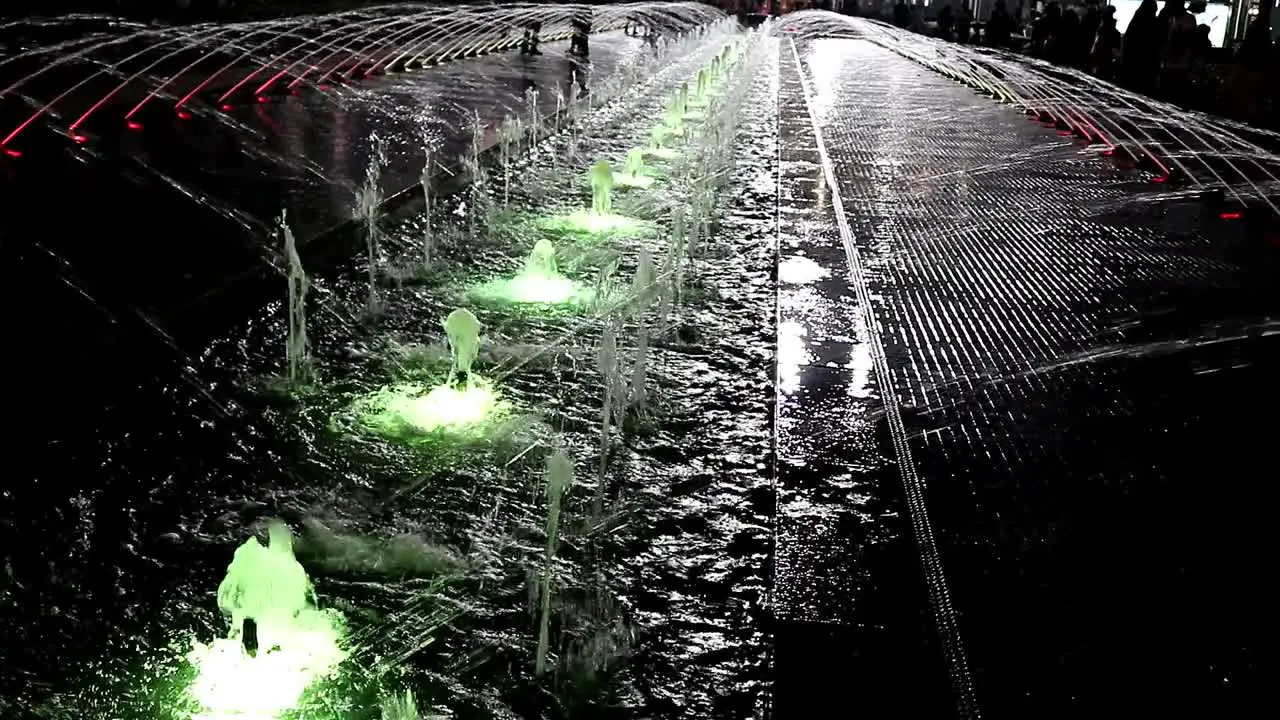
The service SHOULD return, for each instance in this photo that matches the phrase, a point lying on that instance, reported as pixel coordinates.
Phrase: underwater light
(587, 222)
(230, 683)
(296, 643)
(444, 407)
(540, 289)
(540, 282)
(410, 411)
(534, 289)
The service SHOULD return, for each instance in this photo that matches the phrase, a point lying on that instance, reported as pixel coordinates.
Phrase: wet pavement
(851, 607)
(1073, 365)
(177, 208)
(149, 242)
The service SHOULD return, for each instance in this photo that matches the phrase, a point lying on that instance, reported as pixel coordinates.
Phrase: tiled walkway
(1073, 365)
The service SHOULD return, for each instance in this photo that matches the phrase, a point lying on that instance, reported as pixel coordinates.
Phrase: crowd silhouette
(1164, 51)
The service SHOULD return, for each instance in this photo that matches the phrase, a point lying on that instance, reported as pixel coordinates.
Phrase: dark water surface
(155, 476)
(159, 221)
(1077, 373)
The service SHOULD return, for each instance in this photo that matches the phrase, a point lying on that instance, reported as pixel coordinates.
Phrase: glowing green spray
(635, 162)
(602, 188)
(559, 477)
(463, 332)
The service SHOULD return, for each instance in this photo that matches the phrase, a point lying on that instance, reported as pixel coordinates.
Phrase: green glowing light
(529, 288)
(410, 410)
(231, 684)
(297, 643)
(636, 181)
(586, 222)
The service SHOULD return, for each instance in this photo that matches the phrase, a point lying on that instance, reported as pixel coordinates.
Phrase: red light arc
(270, 28)
(334, 53)
(372, 44)
(127, 81)
(61, 96)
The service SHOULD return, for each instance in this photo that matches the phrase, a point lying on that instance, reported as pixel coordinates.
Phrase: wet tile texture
(1082, 370)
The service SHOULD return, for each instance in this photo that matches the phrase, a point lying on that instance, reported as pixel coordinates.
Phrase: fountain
(279, 614)
(600, 220)
(464, 404)
(674, 117)
(428, 240)
(643, 290)
(539, 282)
(368, 204)
(702, 90)
(559, 478)
(657, 144)
(611, 407)
(634, 172)
(601, 188)
(266, 590)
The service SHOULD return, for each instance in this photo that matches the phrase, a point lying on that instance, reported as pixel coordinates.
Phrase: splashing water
(614, 389)
(658, 143)
(428, 240)
(297, 643)
(297, 348)
(559, 477)
(465, 404)
(539, 282)
(674, 118)
(463, 332)
(600, 220)
(602, 188)
(368, 204)
(635, 161)
(634, 172)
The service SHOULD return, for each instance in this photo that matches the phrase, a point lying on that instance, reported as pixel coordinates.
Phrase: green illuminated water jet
(657, 144)
(600, 220)
(539, 282)
(602, 188)
(297, 644)
(634, 172)
(463, 332)
(674, 118)
(465, 404)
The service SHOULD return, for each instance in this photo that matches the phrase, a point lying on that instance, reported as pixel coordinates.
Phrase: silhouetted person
(1179, 35)
(1203, 44)
(946, 23)
(1089, 26)
(532, 33)
(964, 23)
(999, 26)
(1062, 43)
(1139, 56)
(579, 41)
(1254, 65)
(1045, 27)
(1106, 49)
(902, 14)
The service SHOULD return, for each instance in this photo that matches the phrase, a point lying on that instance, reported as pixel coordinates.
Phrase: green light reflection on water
(585, 223)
